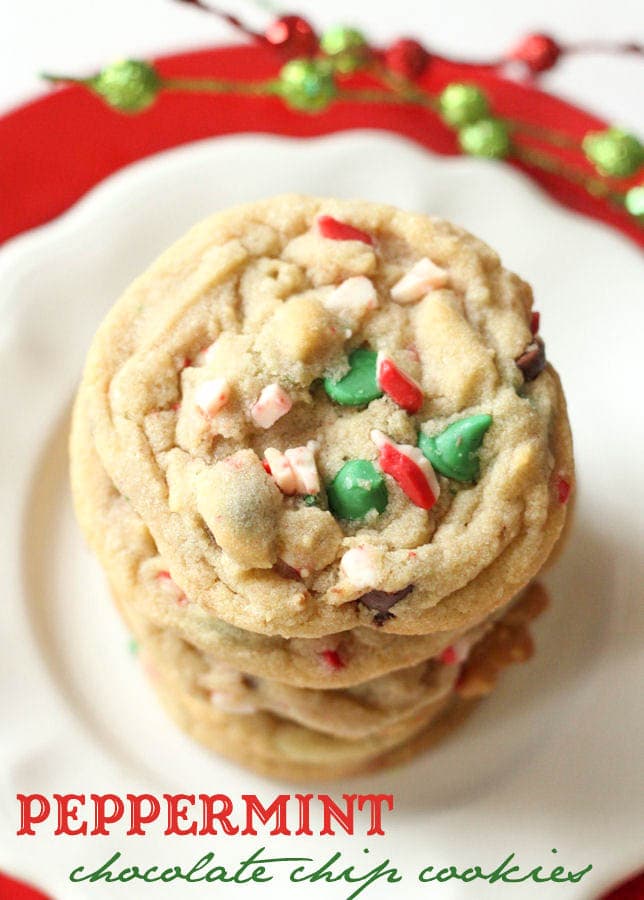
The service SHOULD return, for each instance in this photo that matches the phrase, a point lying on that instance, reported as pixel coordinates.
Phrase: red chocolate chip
(332, 659)
(533, 359)
(402, 389)
(408, 474)
(339, 231)
(382, 601)
(563, 489)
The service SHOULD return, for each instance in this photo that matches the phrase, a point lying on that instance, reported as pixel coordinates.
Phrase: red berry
(340, 231)
(332, 659)
(407, 58)
(535, 319)
(539, 52)
(563, 489)
(293, 35)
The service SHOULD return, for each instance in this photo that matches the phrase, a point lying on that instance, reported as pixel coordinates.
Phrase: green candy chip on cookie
(454, 452)
(357, 489)
(360, 385)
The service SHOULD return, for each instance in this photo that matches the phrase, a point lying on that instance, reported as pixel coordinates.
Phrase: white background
(79, 35)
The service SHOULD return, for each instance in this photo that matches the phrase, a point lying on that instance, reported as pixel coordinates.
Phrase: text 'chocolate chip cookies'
(317, 447)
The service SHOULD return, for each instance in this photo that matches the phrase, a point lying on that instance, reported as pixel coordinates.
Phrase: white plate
(553, 760)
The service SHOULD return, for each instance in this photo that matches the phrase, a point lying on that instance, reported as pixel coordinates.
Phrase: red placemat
(57, 147)
(10, 889)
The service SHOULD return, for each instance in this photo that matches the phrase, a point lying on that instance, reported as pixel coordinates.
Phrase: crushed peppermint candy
(456, 653)
(409, 468)
(360, 566)
(205, 355)
(272, 403)
(171, 588)
(401, 387)
(302, 462)
(332, 659)
(353, 298)
(295, 470)
(563, 489)
(335, 230)
(277, 465)
(423, 277)
(211, 396)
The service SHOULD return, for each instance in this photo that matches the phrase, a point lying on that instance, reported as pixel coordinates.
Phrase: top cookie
(332, 414)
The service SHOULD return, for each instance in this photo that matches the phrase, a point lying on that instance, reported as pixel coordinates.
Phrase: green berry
(488, 137)
(614, 152)
(128, 85)
(346, 46)
(360, 385)
(454, 452)
(307, 84)
(634, 200)
(357, 489)
(463, 104)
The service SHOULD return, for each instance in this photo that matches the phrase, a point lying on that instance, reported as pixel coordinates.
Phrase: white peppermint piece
(352, 299)
(272, 403)
(204, 357)
(423, 277)
(304, 468)
(360, 566)
(462, 648)
(281, 470)
(212, 395)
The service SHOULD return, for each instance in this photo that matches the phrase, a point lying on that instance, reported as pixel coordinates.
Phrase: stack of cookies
(321, 457)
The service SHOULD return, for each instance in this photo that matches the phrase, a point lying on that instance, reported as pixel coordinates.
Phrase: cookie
(140, 578)
(275, 745)
(322, 433)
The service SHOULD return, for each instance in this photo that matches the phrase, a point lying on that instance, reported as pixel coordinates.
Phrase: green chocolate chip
(359, 386)
(310, 500)
(454, 452)
(357, 488)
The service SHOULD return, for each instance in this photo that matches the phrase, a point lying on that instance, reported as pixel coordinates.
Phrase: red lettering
(136, 811)
(304, 801)
(210, 814)
(331, 811)
(277, 809)
(68, 813)
(175, 812)
(376, 801)
(27, 817)
(101, 818)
